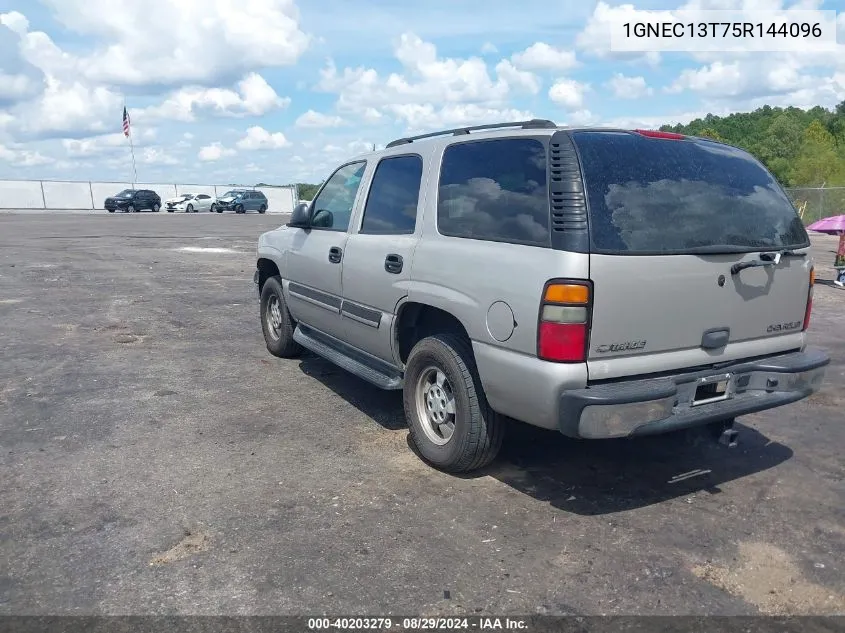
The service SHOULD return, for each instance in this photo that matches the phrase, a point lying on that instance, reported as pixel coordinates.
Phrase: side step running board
(346, 357)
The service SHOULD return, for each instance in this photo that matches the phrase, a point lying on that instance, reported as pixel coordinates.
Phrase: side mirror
(299, 217)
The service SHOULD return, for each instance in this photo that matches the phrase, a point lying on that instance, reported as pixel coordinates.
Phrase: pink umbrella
(834, 226)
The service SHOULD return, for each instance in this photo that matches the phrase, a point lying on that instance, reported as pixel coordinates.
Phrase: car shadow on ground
(582, 476)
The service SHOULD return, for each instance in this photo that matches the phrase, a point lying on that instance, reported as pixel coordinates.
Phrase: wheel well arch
(266, 268)
(415, 321)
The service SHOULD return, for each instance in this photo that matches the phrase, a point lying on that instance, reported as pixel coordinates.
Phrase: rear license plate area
(712, 389)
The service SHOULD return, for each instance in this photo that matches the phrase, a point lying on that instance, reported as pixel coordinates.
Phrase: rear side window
(495, 190)
(653, 196)
(392, 202)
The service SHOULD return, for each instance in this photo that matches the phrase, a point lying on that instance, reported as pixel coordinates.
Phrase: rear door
(673, 222)
(377, 262)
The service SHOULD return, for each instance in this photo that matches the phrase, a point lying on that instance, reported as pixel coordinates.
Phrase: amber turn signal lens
(567, 293)
(812, 276)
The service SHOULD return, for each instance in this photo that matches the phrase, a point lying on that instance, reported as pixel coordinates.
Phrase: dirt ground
(155, 459)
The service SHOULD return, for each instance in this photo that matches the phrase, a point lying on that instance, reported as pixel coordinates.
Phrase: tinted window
(332, 208)
(202, 196)
(392, 202)
(495, 190)
(663, 196)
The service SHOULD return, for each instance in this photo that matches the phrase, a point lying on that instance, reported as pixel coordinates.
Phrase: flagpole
(131, 149)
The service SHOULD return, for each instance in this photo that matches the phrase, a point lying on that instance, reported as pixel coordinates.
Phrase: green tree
(817, 162)
(780, 145)
(709, 132)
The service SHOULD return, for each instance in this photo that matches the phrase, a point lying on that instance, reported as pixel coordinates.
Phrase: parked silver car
(600, 282)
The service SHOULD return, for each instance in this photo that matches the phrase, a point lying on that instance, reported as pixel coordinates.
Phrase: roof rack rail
(533, 124)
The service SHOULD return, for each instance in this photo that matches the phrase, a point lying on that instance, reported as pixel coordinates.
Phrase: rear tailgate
(669, 220)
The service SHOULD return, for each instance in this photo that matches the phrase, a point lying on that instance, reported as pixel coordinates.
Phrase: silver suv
(600, 282)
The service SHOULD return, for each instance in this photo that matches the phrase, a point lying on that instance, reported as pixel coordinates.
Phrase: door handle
(393, 263)
(335, 254)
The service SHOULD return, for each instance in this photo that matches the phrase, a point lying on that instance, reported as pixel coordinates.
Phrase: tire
(170, 210)
(130, 208)
(240, 209)
(262, 209)
(213, 208)
(477, 431)
(278, 338)
(111, 210)
(156, 208)
(189, 208)
(219, 210)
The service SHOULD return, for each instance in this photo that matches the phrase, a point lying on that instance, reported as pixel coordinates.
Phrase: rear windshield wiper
(766, 259)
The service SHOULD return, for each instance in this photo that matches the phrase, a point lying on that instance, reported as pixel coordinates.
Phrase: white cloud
(254, 97)
(518, 78)
(170, 42)
(541, 56)
(426, 117)
(568, 93)
(594, 39)
(71, 108)
(157, 156)
(23, 158)
(582, 117)
(95, 145)
(15, 22)
(312, 119)
(629, 87)
(213, 152)
(14, 87)
(426, 79)
(488, 48)
(259, 138)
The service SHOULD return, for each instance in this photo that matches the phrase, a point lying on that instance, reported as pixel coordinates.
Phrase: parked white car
(191, 203)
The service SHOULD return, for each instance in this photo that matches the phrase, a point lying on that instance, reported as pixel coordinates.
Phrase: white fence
(55, 194)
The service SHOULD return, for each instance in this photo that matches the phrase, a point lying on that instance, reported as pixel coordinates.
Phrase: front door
(316, 256)
(377, 262)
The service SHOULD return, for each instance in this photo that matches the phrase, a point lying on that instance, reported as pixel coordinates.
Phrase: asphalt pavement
(156, 459)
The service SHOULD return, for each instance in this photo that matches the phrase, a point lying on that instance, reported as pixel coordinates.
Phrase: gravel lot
(155, 459)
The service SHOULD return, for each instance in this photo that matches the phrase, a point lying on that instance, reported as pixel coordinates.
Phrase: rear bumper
(658, 405)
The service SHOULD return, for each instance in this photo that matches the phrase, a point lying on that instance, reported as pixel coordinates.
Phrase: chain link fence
(815, 203)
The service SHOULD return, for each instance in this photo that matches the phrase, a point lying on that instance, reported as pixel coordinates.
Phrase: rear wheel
(262, 209)
(156, 208)
(276, 321)
(213, 208)
(450, 422)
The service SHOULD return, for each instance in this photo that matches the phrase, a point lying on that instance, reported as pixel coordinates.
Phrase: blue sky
(281, 90)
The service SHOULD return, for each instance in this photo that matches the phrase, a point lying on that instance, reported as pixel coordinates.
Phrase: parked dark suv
(133, 200)
(241, 201)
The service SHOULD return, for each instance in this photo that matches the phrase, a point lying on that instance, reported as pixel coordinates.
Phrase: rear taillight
(809, 307)
(563, 328)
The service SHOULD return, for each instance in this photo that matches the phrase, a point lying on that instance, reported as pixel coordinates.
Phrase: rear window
(495, 190)
(651, 195)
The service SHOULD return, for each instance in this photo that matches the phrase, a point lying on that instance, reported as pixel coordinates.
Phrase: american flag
(125, 122)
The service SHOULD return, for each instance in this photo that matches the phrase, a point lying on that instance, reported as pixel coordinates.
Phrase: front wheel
(130, 208)
(239, 209)
(189, 208)
(276, 321)
(450, 422)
